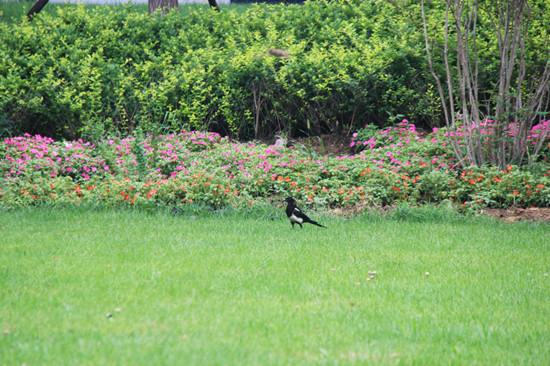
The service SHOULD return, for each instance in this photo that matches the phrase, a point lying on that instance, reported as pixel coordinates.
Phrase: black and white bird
(296, 216)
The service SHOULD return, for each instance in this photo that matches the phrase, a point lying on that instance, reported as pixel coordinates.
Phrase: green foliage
(92, 71)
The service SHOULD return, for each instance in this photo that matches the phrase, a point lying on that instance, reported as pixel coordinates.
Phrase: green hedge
(102, 70)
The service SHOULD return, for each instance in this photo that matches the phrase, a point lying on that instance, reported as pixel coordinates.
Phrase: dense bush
(87, 72)
(204, 168)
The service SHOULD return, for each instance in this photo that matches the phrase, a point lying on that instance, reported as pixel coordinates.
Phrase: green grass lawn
(122, 287)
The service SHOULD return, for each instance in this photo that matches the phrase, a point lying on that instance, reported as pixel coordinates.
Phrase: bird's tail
(316, 223)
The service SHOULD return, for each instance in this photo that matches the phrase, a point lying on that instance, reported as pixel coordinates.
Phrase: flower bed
(396, 164)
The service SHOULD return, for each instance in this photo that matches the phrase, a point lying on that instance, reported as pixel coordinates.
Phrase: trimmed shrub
(95, 71)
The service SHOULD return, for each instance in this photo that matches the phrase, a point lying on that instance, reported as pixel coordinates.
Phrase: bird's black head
(290, 200)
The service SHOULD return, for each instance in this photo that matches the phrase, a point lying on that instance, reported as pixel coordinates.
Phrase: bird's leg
(301, 226)
(292, 223)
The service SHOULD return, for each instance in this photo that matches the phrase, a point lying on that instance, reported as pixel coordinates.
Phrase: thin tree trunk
(214, 5)
(258, 101)
(448, 110)
(163, 5)
(39, 5)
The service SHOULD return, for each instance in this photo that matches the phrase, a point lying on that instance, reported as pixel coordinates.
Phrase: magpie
(296, 216)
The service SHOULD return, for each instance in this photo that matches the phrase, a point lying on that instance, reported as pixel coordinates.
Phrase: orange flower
(287, 179)
(280, 178)
(396, 189)
(540, 186)
(497, 180)
(365, 172)
(472, 181)
(515, 192)
(151, 193)
(90, 187)
(293, 184)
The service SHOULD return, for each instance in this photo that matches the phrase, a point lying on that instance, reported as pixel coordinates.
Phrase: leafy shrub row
(204, 168)
(90, 72)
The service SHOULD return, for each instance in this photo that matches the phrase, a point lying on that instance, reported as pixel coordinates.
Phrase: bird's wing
(298, 213)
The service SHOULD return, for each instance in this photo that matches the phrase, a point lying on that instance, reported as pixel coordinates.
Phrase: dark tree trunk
(38, 5)
(214, 5)
(164, 5)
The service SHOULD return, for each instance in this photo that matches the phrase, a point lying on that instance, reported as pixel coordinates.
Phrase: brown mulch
(330, 144)
(519, 214)
(504, 214)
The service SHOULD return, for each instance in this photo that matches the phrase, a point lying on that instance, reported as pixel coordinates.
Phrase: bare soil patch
(519, 214)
